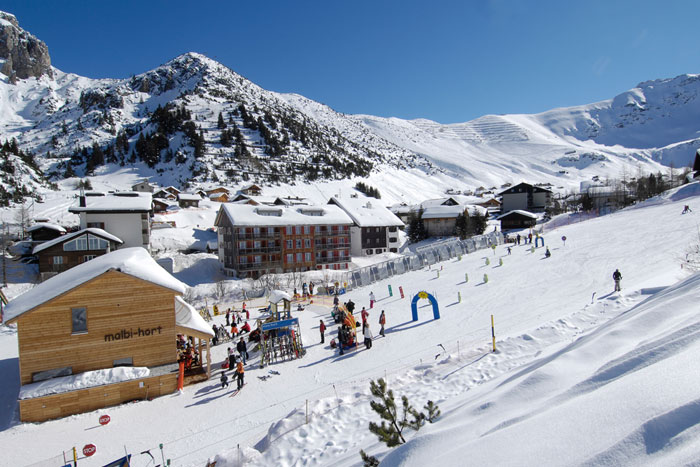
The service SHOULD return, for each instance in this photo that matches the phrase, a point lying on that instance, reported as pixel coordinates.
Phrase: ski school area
(302, 399)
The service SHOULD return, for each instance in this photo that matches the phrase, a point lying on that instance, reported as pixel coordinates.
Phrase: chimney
(82, 198)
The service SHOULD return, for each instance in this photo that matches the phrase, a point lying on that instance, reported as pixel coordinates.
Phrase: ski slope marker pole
(493, 334)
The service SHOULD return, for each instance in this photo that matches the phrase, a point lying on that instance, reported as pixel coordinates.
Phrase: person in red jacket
(240, 372)
(322, 328)
(382, 322)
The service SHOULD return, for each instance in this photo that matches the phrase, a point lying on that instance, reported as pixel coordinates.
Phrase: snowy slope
(565, 361)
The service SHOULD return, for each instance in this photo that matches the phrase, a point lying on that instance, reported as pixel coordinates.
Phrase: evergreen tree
(478, 223)
(221, 124)
(367, 460)
(462, 225)
(416, 228)
(390, 431)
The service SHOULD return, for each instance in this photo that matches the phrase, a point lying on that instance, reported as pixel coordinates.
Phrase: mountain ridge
(194, 121)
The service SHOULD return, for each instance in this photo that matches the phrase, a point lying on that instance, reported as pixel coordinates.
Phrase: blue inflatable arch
(414, 305)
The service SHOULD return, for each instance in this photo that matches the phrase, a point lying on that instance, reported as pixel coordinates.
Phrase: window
(128, 361)
(288, 230)
(290, 244)
(53, 373)
(298, 242)
(307, 243)
(307, 257)
(57, 260)
(370, 251)
(97, 243)
(79, 320)
(256, 244)
(299, 257)
(392, 229)
(290, 258)
(77, 244)
(96, 225)
(241, 245)
(243, 260)
(258, 259)
(393, 239)
(306, 229)
(270, 230)
(88, 258)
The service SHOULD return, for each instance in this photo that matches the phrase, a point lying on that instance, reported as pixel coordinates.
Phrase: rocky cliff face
(22, 55)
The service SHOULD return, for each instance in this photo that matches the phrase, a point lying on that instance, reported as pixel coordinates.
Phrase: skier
(518, 237)
(322, 328)
(341, 338)
(245, 327)
(686, 209)
(311, 288)
(617, 277)
(368, 336)
(242, 350)
(240, 373)
(215, 339)
(350, 306)
(382, 322)
(231, 358)
(247, 313)
(371, 300)
(365, 315)
(547, 254)
(224, 380)
(228, 317)
(509, 250)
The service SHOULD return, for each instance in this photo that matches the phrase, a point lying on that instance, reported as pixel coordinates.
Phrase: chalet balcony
(331, 246)
(256, 266)
(264, 249)
(333, 259)
(330, 233)
(255, 236)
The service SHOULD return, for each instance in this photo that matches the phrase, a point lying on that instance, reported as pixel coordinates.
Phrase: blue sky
(448, 61)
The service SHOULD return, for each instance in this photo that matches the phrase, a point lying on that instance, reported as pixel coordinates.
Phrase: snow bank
(89, 379)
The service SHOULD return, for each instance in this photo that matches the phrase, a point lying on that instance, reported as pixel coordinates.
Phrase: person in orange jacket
(240, 372)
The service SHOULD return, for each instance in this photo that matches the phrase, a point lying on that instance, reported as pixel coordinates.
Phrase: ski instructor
(617, 277)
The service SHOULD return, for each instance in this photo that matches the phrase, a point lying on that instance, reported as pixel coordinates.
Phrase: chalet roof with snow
(64, 238)
(48, 226)
(189, 197)
(248, 215)
(517, 212)
(131, 201)
(524, 188)
(367, 212)
(134, 261)
(447, 212)
(188, 318)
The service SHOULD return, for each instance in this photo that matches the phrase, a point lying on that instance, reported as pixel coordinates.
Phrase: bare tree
(23, 217)
(220, 288)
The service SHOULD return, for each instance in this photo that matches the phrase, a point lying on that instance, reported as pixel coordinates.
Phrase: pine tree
(367, 460)
(221, 124)
(390, 431)
(433, 411)
(462, 226)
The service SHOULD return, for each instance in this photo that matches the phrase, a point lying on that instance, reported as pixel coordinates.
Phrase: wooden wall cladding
(85, 400)
(117, 305)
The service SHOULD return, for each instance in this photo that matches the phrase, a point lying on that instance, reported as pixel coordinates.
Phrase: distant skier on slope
(617, 277)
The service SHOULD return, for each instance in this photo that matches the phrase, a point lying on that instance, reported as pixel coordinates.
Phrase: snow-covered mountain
(193, 120)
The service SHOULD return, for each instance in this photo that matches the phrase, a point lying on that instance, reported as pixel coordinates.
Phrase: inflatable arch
(414, 306)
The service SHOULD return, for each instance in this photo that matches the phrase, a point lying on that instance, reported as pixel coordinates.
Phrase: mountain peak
(22, 55)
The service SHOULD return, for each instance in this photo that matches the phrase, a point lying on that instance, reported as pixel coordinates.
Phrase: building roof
(189, 197)
(187, 317)
(99, 232)
(248, 215)
(526, 186)
(442, 212)
(134, 261)
(277, 296)
(519, 212)
(367, 212)
(46, 225)
(132, 201)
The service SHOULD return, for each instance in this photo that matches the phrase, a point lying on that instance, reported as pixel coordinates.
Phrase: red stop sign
(104, 419)
(89, 450)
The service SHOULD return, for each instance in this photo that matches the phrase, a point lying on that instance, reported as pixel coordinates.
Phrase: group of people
(237, 363)
(345, 331)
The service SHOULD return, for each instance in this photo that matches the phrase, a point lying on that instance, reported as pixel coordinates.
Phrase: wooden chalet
(70, 250)
(517, 219)
(100, 334)
(252, 190)
(188, 200)
(45, 231)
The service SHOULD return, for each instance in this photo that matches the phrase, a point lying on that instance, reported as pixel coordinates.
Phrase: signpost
(89, 450)
(105, 419)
